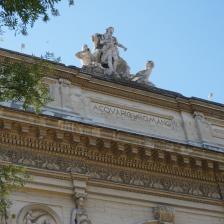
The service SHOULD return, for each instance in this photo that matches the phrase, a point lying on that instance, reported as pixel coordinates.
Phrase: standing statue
(110, 53)
(79, 214)
(107, 54)
(143, 76)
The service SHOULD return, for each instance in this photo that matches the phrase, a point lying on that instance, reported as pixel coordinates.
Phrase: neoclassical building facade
(108, 151)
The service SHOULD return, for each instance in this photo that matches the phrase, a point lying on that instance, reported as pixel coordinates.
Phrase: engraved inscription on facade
(133, 116)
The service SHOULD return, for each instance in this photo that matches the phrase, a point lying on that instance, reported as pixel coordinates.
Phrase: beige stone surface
(108, 206)
(60, 205)
(135, 117)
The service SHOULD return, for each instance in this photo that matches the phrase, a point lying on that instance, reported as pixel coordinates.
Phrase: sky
(184, 38)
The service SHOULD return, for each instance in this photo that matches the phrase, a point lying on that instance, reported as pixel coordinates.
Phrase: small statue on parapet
(85, 56)
(106, 61)
(143, 75)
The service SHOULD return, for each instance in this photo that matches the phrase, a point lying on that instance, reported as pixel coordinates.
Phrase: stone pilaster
(203, 127)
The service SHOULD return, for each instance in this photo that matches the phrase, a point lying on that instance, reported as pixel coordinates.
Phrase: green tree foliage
(19, 14)
(20, 81)
(51, 57)
(11, 178)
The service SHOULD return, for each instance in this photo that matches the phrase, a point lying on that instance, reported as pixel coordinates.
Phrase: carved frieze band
(93, 152)
(115, 174)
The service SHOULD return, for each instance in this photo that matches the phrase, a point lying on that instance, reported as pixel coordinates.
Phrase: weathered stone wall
(76, 103)
(109, 206)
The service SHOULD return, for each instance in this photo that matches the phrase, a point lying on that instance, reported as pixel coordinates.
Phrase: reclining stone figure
(143, 75)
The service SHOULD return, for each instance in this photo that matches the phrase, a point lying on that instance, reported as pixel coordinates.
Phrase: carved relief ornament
(38, 214)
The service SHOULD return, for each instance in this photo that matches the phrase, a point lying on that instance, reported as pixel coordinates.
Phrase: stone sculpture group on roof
(105, 59)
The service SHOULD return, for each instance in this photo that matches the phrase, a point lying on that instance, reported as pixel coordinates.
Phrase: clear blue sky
(185, 39)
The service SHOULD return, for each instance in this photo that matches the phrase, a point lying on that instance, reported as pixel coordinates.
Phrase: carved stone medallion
(37, 214)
